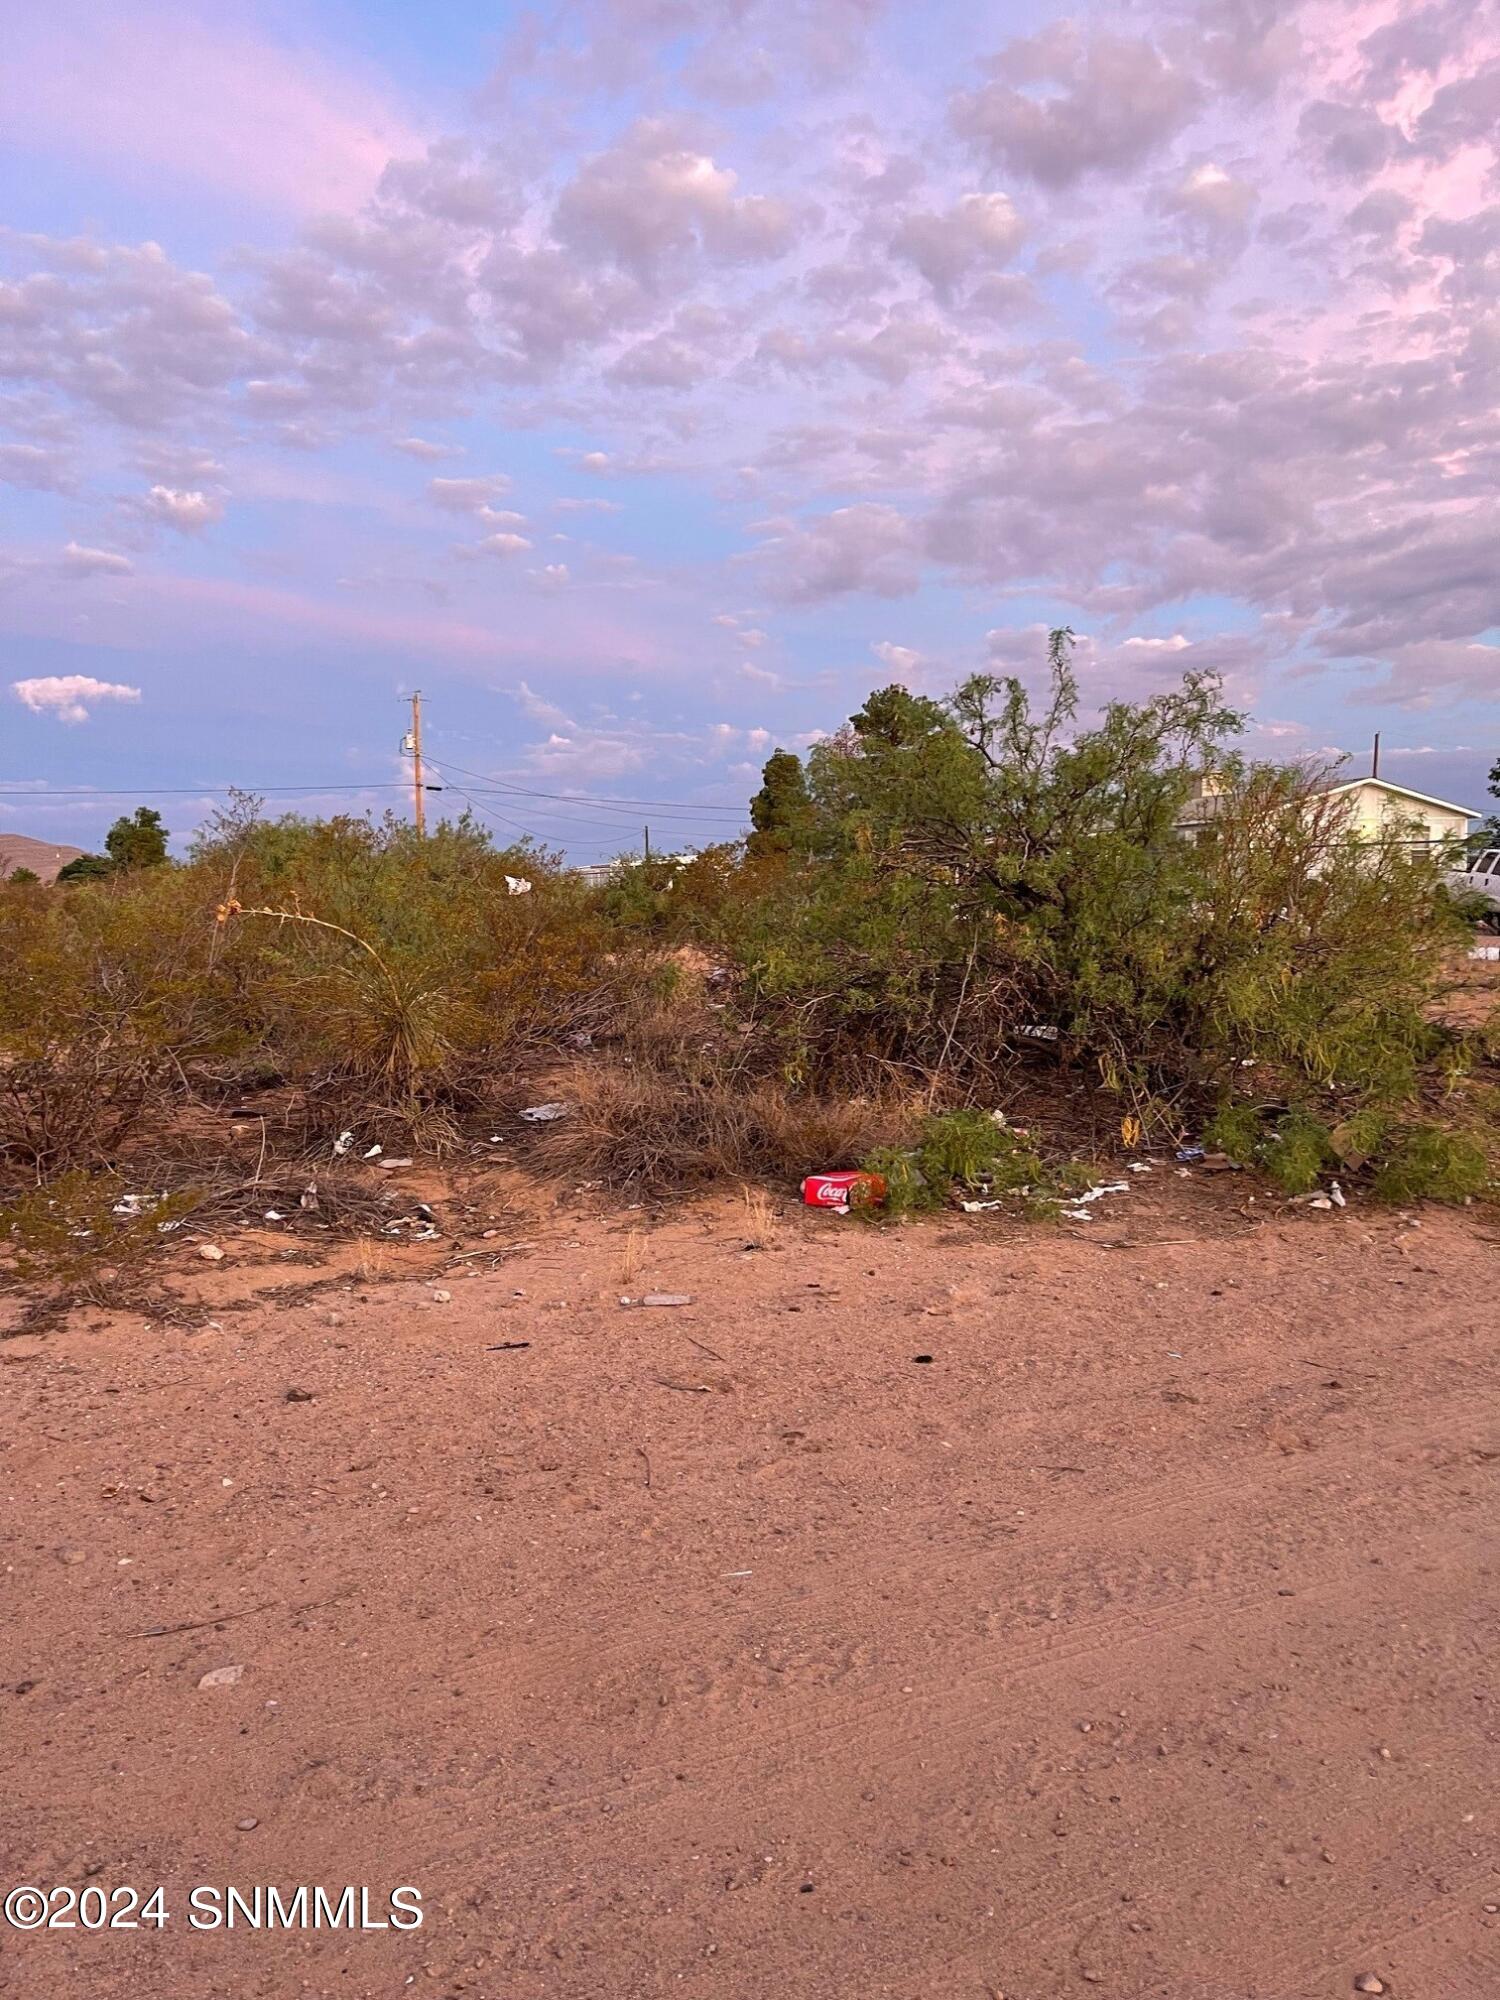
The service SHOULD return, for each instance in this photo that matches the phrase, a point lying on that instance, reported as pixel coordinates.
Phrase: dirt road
(943, 1612)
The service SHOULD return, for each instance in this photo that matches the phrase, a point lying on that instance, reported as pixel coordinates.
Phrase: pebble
(221, 1677)
(1368, 1983)
(212, 1252)
(247, 1825)
(72, 1555)
(442, 1298)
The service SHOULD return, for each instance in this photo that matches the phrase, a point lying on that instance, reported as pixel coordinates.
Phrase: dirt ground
(970, 1609)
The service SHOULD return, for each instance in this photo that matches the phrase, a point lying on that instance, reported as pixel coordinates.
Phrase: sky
(647, 380)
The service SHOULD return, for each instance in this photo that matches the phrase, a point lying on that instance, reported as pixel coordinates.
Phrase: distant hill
(42, 857)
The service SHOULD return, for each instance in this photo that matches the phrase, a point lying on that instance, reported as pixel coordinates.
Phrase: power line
(196, 791)
(605, 799)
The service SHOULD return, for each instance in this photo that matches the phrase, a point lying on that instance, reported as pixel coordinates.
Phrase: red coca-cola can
(843, 1191)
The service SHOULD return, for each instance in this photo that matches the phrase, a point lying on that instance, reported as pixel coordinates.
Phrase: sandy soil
(964, 1610)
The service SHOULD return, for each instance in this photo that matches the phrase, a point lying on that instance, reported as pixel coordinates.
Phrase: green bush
(965, 1150)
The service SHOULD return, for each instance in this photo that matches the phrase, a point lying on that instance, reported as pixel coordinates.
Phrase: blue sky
(648, 379)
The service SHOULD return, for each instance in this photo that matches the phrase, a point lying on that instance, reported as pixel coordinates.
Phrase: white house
(1374, 809)
(1378, 810)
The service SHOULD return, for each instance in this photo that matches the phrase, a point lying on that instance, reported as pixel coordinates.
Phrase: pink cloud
(201, 96)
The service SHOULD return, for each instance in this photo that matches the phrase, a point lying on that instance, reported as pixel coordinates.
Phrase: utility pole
(647, 832)
(413, 744)
(1375, 757)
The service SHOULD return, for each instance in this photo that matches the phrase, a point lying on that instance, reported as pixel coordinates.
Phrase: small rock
(211, 1252)
(299, 1395)
(71, 1556)
(1368, 1983)
(667, 1299)
(221, 1677)
(248, 1824)
(442, 1298)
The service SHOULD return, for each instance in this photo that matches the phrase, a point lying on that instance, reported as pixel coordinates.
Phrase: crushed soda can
(841, 1192)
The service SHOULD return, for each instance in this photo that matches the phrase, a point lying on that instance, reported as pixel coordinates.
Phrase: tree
(87, 868)
(140, 842)
(23, 875)
(1487, 833)
(781, 811)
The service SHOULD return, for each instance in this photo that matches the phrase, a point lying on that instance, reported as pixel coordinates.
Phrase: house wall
(1375, 814)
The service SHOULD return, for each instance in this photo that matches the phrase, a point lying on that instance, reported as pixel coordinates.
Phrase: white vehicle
(1481, 877)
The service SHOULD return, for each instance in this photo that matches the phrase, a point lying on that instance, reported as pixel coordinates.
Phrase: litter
(517, 885)
(661, 1299)
(1040, 1034)
(1336, 1194)
(1190, 1152)
(973, 1207)
(1078, 1214)
(543, 1114)
(390, 1166)
(1485, 951)
(221, 1677)
(274, 1215)
(309, 1196)
(374, 1153)
(128, 1204)
(342, 1144)
(1137, 1167)
(840, 1192)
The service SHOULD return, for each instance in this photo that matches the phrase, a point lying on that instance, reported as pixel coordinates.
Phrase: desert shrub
(1428, 1163)
(967, 1150)
(105, 1000)
(380, 975)
(82, 1230)
(399, 977)
(984, 878)
(1404, 1160)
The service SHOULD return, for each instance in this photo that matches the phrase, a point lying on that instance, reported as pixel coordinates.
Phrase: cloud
(188, 512)
(1065, 103)
(868, 547)
(467, 496)
(167, 92)
(68, 697)
(79, 560)
(978, 232)
(34, 466)
(899, 659)
(424, 448)
(121, 330)
(652, 198)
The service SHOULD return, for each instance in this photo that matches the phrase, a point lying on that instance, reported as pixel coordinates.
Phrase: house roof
(1404, 791)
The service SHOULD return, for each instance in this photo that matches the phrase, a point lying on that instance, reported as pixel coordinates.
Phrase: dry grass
(637, 1123)
(762, 1223)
